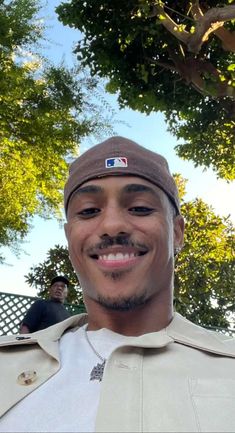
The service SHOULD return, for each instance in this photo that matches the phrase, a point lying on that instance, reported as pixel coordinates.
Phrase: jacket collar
(185, 332)
(47, 338)
(180, 330)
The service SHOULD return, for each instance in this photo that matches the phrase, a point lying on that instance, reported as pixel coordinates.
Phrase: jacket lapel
(185, 332)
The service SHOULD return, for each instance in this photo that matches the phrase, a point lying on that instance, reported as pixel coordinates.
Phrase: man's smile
(118, 257)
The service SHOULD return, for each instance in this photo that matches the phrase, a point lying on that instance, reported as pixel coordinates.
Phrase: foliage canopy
(176, 57)
(204, 277)
(45, 110)
(56, 263)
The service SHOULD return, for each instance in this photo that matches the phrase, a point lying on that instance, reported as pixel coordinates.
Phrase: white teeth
(120, 256)
(111, 257)
(117, 256)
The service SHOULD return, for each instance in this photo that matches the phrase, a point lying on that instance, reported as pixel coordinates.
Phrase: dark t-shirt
(43, 313)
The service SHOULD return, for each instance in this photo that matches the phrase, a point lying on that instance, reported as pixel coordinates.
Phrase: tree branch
(195, 10)
(227, 38)
(172, 27)
(201, 74)
(162, 64)
(194, 71)
(211, 22)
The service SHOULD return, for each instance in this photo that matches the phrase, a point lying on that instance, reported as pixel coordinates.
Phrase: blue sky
(149, 131)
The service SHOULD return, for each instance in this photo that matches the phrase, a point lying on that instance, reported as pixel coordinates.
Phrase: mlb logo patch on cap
(116, 162)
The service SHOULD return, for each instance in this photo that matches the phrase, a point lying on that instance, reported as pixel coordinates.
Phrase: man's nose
(60, 288)
(114, 222)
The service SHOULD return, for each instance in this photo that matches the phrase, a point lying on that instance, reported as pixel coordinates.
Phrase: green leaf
(231, 67)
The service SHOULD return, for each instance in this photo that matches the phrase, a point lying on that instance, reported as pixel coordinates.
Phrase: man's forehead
(60, 283)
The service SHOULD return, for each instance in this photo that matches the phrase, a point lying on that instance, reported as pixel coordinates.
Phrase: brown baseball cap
(120, 156)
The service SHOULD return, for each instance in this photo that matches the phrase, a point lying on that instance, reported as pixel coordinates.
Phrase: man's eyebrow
(127, 189)
(88, 189)
(137, 187)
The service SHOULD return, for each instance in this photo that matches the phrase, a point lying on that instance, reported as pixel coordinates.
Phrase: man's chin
(122, 304)
(57, 299)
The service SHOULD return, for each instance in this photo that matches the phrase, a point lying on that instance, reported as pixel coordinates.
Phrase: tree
(204, 269)
(45, 111)
(56, 263)
(176, 57)
(204, 278)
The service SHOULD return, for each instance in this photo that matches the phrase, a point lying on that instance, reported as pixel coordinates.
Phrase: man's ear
(178, 231)
(66, 230)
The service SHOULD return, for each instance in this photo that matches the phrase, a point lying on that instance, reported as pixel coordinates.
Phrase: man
(131, 364)
(44, 313)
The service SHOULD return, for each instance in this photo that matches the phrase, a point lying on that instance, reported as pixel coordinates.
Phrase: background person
(44, 313)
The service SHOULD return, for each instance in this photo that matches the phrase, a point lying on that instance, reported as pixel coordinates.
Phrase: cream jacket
(181, 379)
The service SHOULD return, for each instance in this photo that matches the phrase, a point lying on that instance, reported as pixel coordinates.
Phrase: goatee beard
(122, 304)
(116, 275)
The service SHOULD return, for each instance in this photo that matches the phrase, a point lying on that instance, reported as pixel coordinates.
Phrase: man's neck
(56, 300)
(141, 320)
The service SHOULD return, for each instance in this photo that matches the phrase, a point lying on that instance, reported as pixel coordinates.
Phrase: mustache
(119, 240)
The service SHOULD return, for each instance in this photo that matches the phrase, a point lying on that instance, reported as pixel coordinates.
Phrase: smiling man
(122, 232)
(131, 364)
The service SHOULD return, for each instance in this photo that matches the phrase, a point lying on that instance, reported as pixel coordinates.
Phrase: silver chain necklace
(98, 370)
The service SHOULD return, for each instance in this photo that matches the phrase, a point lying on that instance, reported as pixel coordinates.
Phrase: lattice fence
(13, 308)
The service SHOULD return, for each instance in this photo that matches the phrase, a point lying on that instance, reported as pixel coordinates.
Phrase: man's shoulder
(38, 304)
(40, 301)
(53, 333)
(186, 332)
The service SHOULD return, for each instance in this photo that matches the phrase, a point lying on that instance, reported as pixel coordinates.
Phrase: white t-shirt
(68, 401)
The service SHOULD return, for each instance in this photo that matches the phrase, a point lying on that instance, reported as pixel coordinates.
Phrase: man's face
(58, 291)
(121, 235)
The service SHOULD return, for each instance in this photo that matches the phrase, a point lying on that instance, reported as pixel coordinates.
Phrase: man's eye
(141, 210)
(89, 212)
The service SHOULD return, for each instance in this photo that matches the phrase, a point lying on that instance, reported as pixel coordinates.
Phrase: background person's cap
(60, 278)
(121, 156)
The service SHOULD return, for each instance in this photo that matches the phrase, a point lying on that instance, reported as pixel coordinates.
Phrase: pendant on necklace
(97, 371)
